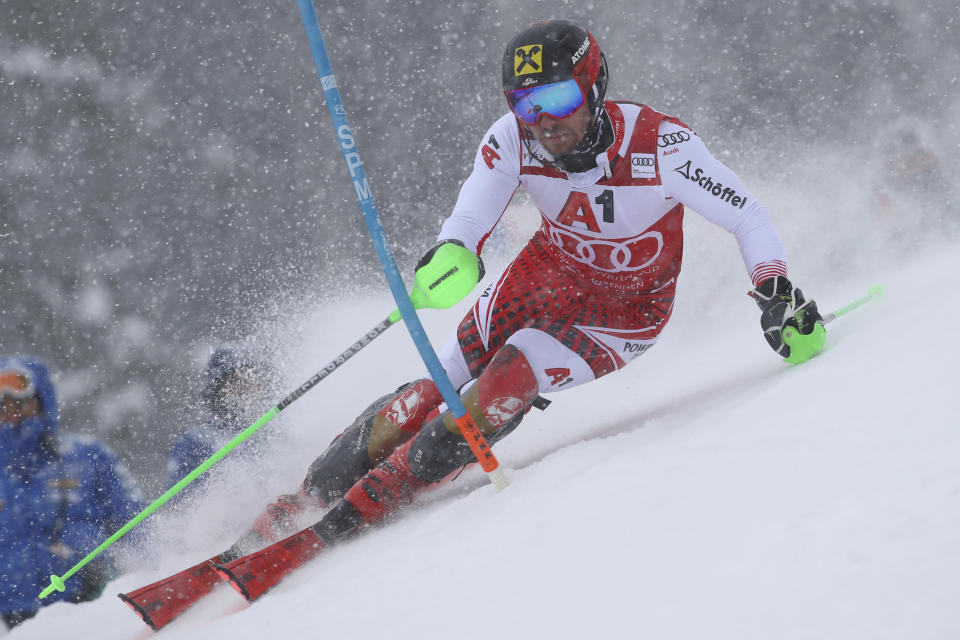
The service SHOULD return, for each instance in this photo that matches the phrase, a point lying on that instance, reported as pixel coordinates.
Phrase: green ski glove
(445, 275)
(791, 325)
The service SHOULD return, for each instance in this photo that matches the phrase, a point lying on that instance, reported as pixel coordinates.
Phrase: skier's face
(561, 136)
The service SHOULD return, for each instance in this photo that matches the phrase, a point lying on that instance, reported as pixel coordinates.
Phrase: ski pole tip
(499, 479)
(875, 291)
(56, 584)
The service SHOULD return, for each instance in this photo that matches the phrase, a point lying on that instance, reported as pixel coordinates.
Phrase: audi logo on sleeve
(642, 165)
(668, 139)
(707, 184)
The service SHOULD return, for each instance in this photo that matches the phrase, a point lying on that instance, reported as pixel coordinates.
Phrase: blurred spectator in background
(913, 198)
(60, 497)
(237, 390)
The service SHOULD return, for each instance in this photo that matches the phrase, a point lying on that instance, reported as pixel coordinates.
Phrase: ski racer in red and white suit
(595, 285)
(589, 292)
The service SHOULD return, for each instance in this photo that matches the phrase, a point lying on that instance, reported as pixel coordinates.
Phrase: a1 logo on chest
(578, 210)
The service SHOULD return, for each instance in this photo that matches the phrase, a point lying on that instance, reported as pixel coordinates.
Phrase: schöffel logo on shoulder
(707, 184)
(643, 165)
(668, 139)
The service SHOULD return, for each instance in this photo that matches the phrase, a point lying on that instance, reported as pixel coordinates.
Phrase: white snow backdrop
(707, 491)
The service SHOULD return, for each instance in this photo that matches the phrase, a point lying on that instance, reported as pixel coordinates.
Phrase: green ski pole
(803, 347)
(57, 582)
(420, 299)
(873, 293)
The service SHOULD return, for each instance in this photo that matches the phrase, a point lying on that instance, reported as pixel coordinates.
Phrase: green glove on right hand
(444, 276)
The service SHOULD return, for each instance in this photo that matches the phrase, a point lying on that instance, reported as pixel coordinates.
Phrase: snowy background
(169, 179)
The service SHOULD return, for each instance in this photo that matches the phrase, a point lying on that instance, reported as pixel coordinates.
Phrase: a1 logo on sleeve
(643, 165)
(488, 153)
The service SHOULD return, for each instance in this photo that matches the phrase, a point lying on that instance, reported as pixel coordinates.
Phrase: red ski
(380, 493)
(254, 574)
(159, 603)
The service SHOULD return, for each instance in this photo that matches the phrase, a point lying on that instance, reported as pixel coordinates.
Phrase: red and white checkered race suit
(588, 293)
(595, 285)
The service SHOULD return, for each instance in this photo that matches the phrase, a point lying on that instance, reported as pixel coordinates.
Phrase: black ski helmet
(553, 51)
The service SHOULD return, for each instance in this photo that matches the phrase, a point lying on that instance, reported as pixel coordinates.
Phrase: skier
(591, 290)
(589, 293)
(59, 496)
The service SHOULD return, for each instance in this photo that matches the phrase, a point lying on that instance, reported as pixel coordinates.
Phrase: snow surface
(707, 491)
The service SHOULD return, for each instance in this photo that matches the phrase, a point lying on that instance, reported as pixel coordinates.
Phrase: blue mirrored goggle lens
(557, 99)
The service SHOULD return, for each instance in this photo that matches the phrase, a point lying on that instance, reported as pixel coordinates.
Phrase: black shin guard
(346, 459)
(437, 451)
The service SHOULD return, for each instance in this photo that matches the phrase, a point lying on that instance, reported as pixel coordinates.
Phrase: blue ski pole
(351, 156)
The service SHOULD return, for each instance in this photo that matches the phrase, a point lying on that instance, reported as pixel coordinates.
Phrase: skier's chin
(559, 143)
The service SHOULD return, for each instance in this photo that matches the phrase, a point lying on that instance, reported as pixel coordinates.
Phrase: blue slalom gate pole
(358, 176)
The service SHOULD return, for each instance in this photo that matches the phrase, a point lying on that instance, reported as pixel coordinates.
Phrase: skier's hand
(783, 307)
(445, 275)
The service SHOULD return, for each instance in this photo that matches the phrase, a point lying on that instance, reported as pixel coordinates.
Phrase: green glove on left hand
(791, 324)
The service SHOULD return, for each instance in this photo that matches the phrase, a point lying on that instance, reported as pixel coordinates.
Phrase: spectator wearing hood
(913, 194)
(60, 496)
(236, 386)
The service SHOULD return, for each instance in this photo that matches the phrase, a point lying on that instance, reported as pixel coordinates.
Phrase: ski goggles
(557, 99)
(16, 384)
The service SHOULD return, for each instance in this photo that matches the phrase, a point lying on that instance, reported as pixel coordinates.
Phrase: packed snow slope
(707, 491)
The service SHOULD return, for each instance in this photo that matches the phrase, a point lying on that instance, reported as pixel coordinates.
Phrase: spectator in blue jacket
(237, 390)
(60, 497)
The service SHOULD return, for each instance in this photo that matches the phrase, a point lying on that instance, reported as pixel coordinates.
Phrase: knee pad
(497, 402)
(346, 459)
(370, 439)
(411, 404)
(508, 385)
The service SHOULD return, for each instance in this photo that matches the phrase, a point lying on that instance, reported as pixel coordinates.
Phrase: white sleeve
(487, 192)
(690, 173)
